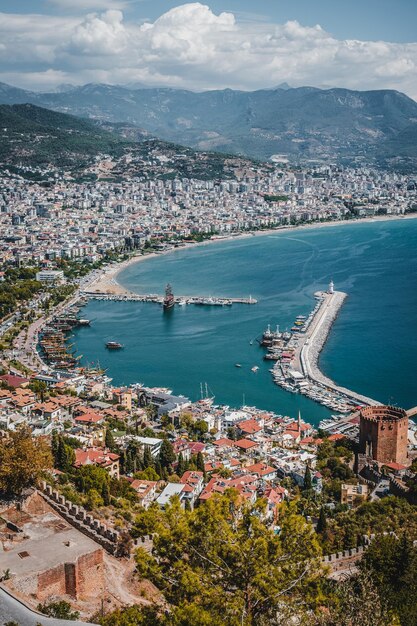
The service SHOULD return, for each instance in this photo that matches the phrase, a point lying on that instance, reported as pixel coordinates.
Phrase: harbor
(158, 299)
(296, 354)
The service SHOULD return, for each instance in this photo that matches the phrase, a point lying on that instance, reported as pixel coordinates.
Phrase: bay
(372, 347)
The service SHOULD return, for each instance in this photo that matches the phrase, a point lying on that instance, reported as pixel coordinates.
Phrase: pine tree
(200, 462)
(322, 521)
(147, 458)
(65, 456)
(181, 465)
(166, 454)
(307, 479)
(109, 440)
(105, 494)
(158, 468)
(54, 446)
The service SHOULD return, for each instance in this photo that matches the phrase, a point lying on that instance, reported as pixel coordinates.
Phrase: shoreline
(107, 281)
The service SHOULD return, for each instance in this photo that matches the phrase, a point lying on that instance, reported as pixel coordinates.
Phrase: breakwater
(314, 343)
(297, 355)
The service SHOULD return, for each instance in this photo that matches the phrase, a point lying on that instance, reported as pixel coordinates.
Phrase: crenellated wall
(78, 517)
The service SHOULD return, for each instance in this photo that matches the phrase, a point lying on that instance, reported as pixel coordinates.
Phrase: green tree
(109, 440)
(147, 474)
(322, 521)
(65, 456)
(91, 477)
(59, 610)
(94, 500)
(23, 458)
(391, 561)
(39, 387)
(356, 603)
(147, 458)
(136, 615)
(200, 462)
(105, 494)
(222, 564)
(181, 465)
(166, 455)
(307, 479)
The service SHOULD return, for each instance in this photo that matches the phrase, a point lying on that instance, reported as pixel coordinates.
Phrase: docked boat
(169, 299)
(83, 322)
(113, 345)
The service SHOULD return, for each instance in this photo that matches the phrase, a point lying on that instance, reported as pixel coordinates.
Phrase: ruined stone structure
(78, 517)
(46, 557)
(79, 579)
(383, 434)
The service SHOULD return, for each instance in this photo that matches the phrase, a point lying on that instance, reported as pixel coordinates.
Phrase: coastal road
(13, 610)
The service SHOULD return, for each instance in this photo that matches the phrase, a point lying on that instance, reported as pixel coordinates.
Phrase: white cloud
(190, 46)
(99, 35)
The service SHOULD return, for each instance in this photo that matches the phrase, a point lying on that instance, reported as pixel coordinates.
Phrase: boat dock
(157, 299)
(297, 352)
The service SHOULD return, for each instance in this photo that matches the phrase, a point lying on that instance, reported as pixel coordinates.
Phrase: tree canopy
(23, 458)
(221, 564)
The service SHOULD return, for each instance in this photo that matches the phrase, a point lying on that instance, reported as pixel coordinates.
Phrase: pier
(157, 299)
(315, 339)
(297, 353)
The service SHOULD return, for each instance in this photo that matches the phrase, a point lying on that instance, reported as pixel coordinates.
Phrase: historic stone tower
(383, 434)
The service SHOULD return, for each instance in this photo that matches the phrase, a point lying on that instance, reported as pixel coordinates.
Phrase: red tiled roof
(89, 418)
(336, 437)
(96, 456)
(249, 427)
(395, 466)
(197, 447)
(14, 381)
(224, 442)
(245, 444)
(262, 469)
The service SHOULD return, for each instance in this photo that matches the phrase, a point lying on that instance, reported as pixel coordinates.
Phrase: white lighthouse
(331, 287)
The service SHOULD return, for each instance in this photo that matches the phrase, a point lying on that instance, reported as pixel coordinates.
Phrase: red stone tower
(383, 433)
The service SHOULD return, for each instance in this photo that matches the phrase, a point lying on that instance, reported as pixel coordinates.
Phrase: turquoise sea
(372, 347)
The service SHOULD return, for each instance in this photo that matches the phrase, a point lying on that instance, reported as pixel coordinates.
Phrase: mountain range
(301, 124)
(34, 139)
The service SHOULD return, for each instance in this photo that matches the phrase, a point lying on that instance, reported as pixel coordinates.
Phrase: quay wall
(311, 349)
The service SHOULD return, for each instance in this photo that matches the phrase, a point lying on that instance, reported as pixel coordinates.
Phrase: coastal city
(66, 243)
(208, 313)
(71, 221)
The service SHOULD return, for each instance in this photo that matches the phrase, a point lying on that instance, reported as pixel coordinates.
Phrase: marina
(158, 299)
(296, 354)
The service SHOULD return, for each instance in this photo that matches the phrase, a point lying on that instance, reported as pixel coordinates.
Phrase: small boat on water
(83, 322)
(113, 345)
(238, 365)
(254, 368)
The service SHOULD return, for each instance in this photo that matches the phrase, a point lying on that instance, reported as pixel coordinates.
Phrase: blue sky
(360, 44)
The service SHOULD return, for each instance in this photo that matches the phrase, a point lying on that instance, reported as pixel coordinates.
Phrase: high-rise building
(383, 434)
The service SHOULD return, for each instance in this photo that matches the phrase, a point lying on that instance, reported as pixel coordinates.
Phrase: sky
(239, 44)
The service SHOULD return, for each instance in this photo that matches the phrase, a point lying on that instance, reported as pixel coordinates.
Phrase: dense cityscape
(66, 220)
(138, 503)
